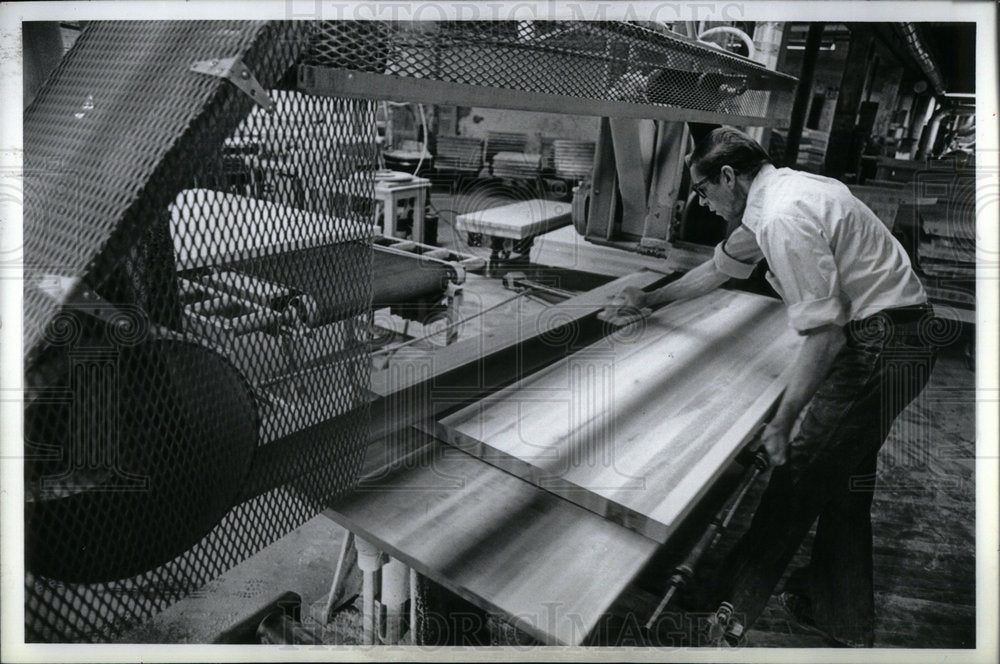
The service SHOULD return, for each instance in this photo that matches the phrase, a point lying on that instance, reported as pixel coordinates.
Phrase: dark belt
(896, 316)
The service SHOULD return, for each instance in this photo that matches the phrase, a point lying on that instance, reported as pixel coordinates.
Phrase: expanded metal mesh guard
(198, 368)
(607, 61)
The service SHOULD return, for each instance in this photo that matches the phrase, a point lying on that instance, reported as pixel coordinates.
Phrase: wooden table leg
(389, 216)
(418, 214)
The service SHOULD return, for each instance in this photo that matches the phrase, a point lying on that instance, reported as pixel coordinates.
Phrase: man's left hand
(627, 306)
(775, 442)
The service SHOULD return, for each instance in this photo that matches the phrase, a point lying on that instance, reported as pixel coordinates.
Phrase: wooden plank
(549, 566)
(417, 385)
(637, 428)
(519, 220)
(329, 82)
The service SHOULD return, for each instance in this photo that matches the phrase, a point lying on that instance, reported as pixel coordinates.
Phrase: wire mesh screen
(197, 297)
(594, 60)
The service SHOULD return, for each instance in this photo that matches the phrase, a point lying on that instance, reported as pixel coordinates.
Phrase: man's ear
(727, 175)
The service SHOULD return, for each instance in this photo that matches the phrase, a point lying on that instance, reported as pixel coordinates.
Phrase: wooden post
(803, 93)
(841, 144)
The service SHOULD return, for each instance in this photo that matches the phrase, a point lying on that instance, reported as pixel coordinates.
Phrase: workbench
(545, 557)
(402, 188)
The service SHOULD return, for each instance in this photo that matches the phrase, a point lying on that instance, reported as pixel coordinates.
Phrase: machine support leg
(370, 562)
(395, 592)
(414, 599)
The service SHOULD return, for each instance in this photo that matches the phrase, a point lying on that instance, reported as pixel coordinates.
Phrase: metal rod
(556, 292)
(684, 572)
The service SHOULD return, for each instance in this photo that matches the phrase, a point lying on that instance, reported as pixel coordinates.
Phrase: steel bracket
(237, 73)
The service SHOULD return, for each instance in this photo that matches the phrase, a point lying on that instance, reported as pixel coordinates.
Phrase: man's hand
(775, 442)
(811, 366)
(631, 297)
(626, 306)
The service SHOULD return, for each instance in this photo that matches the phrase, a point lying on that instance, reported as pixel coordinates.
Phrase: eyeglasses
(698, 187)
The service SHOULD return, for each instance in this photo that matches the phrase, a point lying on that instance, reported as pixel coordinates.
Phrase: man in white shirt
(851, 292)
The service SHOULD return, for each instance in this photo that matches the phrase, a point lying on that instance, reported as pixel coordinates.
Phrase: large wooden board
(637, 426)
(517, 220)
(548, 566)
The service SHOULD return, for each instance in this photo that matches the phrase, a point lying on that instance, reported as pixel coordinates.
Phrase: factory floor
(924, 518)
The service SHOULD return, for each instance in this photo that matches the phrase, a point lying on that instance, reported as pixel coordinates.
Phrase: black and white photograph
(536, 331)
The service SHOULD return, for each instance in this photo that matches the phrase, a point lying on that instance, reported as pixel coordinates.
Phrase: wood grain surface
(637, 426)
(550, 567)
(423, 368)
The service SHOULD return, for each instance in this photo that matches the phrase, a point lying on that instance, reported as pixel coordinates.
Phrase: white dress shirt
(830, 258)
(738, 255)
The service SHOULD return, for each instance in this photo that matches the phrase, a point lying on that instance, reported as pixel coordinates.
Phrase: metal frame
(611, 69)
(330, 82)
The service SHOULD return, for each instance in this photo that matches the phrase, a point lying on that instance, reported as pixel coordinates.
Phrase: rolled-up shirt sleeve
(737, 255)
(802, 262)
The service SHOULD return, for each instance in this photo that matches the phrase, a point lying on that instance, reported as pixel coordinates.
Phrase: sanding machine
(201, 271)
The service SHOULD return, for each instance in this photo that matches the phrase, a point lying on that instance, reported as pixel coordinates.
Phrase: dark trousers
(830, 473)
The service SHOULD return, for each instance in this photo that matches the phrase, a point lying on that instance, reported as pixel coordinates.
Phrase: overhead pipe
(915, 45)
(930, 133)
(735, 32)
(923, 111)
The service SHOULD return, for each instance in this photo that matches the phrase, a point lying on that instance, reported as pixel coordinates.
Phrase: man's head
(722, 165)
